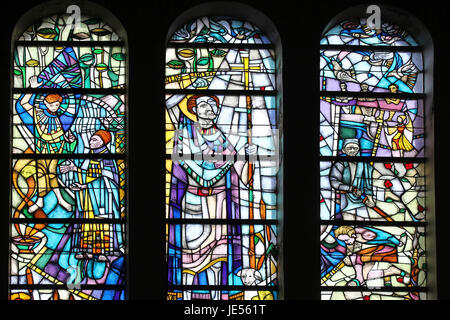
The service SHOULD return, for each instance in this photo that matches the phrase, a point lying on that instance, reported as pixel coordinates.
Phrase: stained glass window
(68, 170)
(222, 145)
(372, 172)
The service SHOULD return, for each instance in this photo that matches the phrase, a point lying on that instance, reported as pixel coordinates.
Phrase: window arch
(376, 205)
(68, 155)
(223, 187)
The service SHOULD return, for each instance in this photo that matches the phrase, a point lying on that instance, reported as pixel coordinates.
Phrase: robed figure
(353, 181)
(95, 182)
(204, 188)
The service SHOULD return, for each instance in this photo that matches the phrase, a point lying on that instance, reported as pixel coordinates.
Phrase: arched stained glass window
(223, 178)
(68, 156)
(373, 165)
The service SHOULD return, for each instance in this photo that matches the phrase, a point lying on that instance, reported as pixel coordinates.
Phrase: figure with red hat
(96, 188)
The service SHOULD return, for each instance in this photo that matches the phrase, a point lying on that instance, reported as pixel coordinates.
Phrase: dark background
(300, 25)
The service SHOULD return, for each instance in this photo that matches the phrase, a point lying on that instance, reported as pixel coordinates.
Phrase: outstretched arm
(409, 123)
(25, 101)
(68, 167)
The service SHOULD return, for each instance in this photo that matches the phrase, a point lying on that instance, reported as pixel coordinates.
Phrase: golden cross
(245, 66)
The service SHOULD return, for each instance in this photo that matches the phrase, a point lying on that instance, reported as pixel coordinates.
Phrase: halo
(183, 107)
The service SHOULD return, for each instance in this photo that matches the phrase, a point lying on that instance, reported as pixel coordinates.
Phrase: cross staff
(245, 67)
